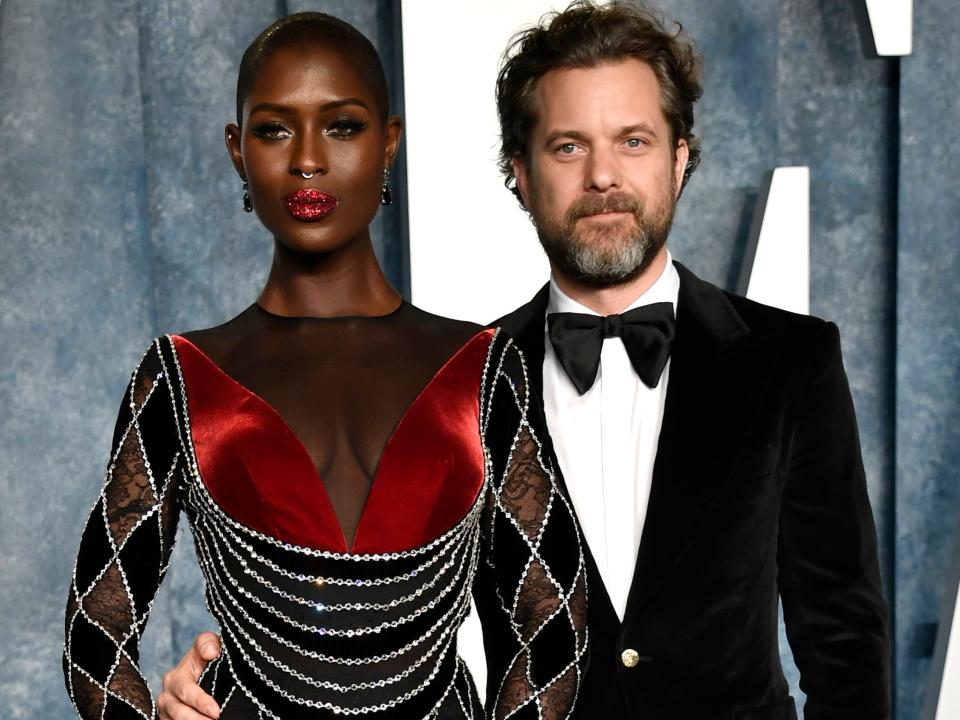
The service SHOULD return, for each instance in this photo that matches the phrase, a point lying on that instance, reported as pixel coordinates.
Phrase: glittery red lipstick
(310, 205)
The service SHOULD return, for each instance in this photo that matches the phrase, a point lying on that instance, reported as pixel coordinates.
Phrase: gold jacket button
(630, 658)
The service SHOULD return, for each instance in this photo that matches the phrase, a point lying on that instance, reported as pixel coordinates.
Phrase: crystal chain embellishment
(379, 629)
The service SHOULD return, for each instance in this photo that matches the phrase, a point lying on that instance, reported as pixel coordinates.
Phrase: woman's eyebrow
(331, 105)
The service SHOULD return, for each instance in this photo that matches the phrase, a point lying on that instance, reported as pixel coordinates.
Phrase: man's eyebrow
(332, 105)
(640, 127)
(565, 134)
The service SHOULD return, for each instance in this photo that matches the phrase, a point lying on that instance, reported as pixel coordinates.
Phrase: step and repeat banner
(829, 148)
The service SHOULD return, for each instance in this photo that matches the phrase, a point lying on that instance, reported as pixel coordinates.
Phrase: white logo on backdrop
(891, 22)
(780, 243)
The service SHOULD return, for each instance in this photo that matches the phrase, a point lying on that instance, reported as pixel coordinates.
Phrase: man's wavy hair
(586, 35)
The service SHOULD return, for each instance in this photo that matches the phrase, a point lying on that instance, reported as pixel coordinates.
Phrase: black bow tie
(646, 332)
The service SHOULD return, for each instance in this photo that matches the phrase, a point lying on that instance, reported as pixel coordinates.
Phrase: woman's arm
(534, 570)
(125, 549)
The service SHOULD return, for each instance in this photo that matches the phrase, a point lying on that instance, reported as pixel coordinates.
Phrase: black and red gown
(344, 479)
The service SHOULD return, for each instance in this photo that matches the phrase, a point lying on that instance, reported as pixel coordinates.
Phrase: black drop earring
(247, 202)
(386, 197)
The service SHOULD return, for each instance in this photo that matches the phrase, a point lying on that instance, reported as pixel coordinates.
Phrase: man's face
(601, 177)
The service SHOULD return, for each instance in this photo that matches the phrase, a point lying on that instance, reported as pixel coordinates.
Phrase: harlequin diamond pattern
(545, 603)
(128, 535)
(527, 523)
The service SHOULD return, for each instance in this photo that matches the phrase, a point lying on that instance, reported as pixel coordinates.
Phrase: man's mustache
(596, 204)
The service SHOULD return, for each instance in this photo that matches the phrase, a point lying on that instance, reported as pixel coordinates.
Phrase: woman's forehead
(307, 75)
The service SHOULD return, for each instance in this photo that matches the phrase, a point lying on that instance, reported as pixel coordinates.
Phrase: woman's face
(309, 112)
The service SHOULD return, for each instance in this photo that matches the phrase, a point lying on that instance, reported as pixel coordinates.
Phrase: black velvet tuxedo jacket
(758, 490)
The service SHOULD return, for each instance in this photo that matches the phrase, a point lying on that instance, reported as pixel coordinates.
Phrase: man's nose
(602, 171)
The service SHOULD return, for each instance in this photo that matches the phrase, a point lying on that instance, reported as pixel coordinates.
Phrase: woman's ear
(231, 137)
(394, 130)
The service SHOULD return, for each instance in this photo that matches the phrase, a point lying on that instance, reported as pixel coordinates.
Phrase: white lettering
(892, 24)
(780, 267)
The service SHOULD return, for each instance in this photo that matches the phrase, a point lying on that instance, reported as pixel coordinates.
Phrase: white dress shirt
(606, 441)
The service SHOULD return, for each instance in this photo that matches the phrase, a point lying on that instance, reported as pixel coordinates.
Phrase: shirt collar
(666, 288)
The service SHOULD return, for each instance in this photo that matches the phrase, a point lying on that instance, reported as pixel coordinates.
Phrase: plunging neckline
(314, 472)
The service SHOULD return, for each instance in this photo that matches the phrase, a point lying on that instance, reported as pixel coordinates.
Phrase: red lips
(310, 205)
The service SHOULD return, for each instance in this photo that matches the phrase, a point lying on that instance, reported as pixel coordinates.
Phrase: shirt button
(630, 658)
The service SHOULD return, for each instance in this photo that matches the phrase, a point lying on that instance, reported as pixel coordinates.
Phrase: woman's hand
(182, 698)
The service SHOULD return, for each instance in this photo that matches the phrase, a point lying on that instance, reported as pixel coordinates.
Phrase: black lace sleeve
(534, 566)
(124, 551)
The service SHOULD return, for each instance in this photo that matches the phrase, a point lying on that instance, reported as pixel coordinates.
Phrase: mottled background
(120, 219)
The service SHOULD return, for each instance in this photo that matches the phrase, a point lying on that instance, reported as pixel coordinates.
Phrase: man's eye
(272, 131)
(567, 149)
(635, 143)
(344, 128)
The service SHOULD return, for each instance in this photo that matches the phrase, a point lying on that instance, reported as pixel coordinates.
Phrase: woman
(348, 463)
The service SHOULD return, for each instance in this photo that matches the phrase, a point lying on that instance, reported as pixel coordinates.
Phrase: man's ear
(522, 174)
(681, 155)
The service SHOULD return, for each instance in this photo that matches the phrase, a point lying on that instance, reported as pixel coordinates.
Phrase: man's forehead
(623, 92)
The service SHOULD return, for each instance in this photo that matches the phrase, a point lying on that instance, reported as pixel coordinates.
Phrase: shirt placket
(618, 486)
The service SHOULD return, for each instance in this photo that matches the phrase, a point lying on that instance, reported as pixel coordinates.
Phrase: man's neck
(612, 300)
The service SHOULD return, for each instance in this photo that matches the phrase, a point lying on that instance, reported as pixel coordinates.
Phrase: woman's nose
(308, 157)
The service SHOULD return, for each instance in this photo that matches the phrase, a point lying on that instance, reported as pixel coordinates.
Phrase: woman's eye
(272, 131)
(344, 128)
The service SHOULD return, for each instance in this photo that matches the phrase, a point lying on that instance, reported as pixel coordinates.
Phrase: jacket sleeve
(531, 588)
(829, 575)
(124, 551)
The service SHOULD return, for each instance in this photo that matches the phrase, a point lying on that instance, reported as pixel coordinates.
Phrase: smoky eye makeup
(345, 127)
(271, 130)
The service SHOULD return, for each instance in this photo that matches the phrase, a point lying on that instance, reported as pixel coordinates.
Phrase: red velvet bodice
(260, 473)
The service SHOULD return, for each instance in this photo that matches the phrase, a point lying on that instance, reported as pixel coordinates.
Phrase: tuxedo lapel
(527, 326)
(705, 413)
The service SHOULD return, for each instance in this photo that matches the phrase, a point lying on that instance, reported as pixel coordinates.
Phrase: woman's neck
(345, 282)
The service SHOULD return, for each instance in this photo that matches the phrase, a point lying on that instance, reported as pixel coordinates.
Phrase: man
(708, 443)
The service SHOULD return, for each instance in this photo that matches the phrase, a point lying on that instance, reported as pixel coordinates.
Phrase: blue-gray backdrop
(120, 219)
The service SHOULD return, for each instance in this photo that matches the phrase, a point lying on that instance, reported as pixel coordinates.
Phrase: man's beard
(610, 254)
